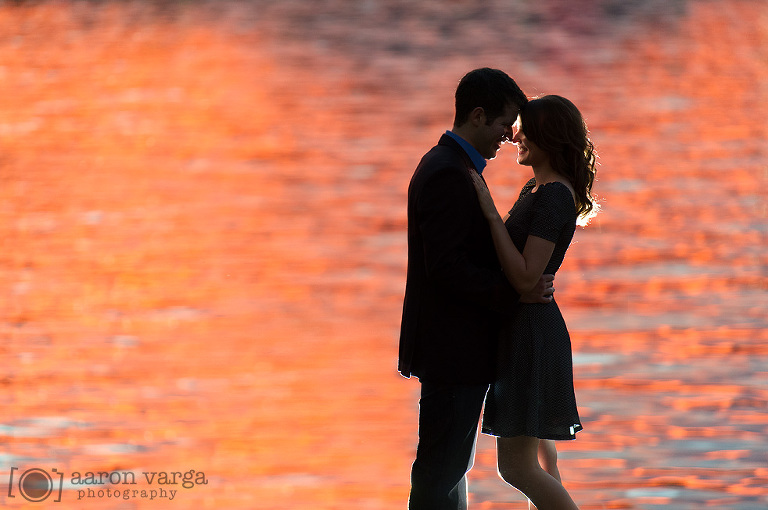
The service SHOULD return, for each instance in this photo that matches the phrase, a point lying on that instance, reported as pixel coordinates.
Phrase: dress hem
(556, 437)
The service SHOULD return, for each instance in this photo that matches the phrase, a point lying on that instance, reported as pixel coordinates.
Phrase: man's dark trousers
(448, 421)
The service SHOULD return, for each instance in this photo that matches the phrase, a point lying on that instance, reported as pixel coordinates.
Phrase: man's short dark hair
(490, 89)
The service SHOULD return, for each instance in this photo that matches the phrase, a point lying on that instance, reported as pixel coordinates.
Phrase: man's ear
(477, 116)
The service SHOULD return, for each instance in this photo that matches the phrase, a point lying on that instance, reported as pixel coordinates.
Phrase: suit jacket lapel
(450, 142)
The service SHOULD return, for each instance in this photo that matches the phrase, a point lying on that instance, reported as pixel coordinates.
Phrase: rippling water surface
(202, 214)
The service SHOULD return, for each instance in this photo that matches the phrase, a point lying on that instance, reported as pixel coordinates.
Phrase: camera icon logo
(36, 484)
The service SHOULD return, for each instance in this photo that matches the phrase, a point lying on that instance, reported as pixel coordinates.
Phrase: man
(455, 291)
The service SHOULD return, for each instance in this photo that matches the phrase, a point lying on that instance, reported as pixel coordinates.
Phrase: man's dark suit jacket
(455, 291)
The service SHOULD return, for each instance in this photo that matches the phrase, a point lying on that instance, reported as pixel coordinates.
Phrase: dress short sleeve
(553, 210)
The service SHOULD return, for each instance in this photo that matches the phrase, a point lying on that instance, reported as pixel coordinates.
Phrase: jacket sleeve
(448, 211)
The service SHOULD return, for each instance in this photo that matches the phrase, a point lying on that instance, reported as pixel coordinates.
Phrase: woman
(533, 402)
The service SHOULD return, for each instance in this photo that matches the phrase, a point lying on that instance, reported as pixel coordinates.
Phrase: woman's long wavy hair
(557, 127)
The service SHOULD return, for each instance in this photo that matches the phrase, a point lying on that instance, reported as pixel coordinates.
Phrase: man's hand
(542, 292)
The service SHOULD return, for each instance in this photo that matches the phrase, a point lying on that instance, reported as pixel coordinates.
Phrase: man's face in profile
(491, 136)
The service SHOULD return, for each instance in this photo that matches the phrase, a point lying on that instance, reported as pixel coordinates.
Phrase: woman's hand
(484, 195)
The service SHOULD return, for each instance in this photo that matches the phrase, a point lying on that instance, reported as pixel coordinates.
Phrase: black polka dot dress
(533, 392)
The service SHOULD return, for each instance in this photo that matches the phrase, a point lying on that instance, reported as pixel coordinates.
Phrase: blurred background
(203, 231)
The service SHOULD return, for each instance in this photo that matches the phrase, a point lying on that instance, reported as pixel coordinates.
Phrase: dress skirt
(533, 393)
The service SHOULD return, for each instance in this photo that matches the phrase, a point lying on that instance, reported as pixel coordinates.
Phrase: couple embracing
(480, 327)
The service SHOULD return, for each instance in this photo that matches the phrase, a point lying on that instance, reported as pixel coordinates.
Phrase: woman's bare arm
(523, 270)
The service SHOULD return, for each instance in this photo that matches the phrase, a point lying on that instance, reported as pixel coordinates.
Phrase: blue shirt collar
(477, 159)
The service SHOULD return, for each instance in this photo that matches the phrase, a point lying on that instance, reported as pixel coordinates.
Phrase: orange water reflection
(203, 227)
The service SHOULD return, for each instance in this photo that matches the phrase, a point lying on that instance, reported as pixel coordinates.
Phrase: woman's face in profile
(528, 153)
